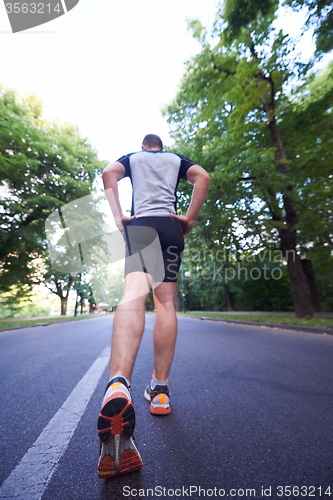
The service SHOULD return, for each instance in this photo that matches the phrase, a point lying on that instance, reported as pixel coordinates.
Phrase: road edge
(299, 328)
(45, 324)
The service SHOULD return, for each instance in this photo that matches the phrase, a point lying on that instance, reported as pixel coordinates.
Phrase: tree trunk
(63, 305)
(309, 274)
(178, 301)
(300, 289)
(92, 301)
(228, 297)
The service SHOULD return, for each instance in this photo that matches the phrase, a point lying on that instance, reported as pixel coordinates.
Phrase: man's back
(155, 176)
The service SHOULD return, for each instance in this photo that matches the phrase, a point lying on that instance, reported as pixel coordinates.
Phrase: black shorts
(154, 245)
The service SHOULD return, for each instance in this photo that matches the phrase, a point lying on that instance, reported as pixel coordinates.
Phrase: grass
(10, 323)
(269, 318)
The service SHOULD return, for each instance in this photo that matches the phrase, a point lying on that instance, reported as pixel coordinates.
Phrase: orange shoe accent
(107, 468)
(115, 386)
(162, 398)
(159, 410)
(129, 462)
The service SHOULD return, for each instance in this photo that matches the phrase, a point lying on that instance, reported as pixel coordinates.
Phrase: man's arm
(111, 175)
(197, 176)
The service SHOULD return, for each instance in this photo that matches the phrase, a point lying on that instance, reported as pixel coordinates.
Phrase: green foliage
(262, 285)
(86, 292)
(319, 16)
(322, 261)
(28, 322)
(260, 123)
(42, 167)
(307, 126)
(259, 282)
(326, 323)
(107, 284)
(26, 308)
(240, 14)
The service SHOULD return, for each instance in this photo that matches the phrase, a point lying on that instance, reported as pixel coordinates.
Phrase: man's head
(152, 142)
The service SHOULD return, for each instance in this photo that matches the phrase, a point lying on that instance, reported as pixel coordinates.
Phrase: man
(155, 226)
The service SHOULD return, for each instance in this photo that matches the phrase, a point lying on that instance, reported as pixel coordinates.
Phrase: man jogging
(154, 237)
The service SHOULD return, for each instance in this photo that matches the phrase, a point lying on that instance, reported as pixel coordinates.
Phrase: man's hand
(122, 222)
(187, 224)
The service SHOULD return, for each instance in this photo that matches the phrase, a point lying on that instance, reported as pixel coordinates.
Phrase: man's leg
(116, 422)
(165, 329)
(164, 335)
(129, 322)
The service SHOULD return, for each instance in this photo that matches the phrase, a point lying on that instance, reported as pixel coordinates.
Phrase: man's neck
(151, 149)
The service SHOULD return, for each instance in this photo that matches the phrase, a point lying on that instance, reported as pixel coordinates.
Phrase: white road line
(31, 476)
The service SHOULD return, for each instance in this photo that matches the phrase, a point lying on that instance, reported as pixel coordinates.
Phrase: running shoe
(116, 423)
(159, 399)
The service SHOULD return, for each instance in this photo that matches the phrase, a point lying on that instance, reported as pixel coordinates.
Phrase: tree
(43, 167)
(107, 283)
(60, 284)
(319, 16)
(229, 110)
(86, 292)
(311, 119)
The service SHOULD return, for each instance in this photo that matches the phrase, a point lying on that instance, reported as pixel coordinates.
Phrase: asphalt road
(252, 414)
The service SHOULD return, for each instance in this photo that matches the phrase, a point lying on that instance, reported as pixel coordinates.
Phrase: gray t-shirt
(155, 176)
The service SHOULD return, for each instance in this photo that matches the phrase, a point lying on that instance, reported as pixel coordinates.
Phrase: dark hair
(152, 141)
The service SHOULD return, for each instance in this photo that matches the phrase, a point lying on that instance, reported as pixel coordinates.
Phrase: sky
(106, 66)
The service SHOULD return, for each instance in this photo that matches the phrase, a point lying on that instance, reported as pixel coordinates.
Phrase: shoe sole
(115, 425)
(118, 457)
(157, 409)
(117, 417)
